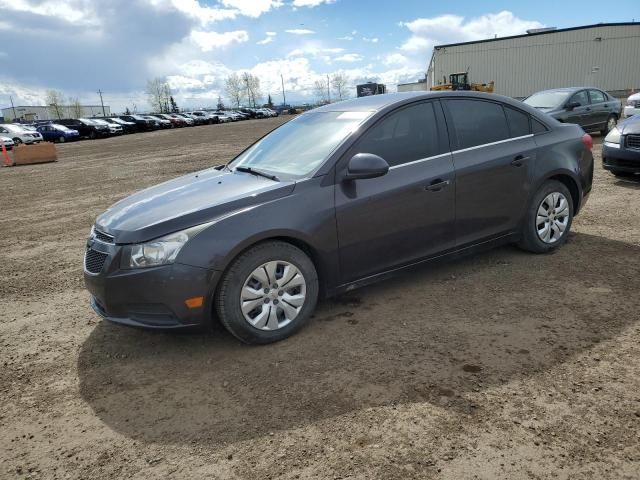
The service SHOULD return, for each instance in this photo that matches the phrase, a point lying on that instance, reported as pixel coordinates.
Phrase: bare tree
(234, 89)
(75, 107)
(220, 105)
(320, 91)
(159, 94)
(55, 102)
(339, 83)
(251, 85)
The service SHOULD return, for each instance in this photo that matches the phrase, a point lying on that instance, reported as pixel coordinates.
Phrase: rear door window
(518, 122)
(406, 135)
(477, 122)
(597, 96)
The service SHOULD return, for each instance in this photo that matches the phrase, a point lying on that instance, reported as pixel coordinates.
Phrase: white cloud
(310, 3)
(252, 8)
(371, 40)
(300, 31)
(268, 39)
(395, 59)
(208, 41)
(427, 32)
(313, 50)
(72, 11)
(349, 57)
(195, 10)
(346, 37)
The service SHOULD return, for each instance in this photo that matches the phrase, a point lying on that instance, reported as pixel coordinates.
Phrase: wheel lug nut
(275, 302)
(266, 290)
(266, 300)
(281, 292)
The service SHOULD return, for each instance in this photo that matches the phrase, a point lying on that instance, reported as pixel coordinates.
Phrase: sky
(80, 46)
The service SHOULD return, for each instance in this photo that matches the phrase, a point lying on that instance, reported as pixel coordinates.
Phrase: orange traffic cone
(7, 163)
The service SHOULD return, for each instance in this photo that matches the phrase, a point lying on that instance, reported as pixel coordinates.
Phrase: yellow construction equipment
(460, 81)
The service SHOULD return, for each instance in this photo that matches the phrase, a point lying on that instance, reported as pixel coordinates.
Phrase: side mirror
(572, 105)
(366, 165)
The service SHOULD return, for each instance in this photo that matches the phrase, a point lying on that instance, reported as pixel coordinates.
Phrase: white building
(31, 113)
(606, 55)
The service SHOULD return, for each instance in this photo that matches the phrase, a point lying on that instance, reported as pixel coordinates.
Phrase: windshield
(59, 127)
(100, 122)
(549, 99)
(15, 128)
(87, 121)
(298, 148)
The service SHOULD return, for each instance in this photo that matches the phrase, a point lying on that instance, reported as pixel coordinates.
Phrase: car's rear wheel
(268, 293)
(92, 135)
(17, 141)
(548, 218)
(612, 121)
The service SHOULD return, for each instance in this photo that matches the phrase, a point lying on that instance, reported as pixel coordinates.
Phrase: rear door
(494, 152)
(407, 214)
(599, 107)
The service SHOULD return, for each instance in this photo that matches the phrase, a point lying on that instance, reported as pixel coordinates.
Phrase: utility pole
(284, 98)
(102, 103)
(13, 108)
(328, 90)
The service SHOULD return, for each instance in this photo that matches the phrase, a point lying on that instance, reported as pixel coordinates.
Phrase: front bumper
(150, 297)
(620, 159)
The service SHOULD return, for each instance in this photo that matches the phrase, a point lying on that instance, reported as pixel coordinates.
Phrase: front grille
(633, 141)
(103, 237)
(94, 261)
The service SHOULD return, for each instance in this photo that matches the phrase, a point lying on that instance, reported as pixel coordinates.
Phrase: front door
(407, 214)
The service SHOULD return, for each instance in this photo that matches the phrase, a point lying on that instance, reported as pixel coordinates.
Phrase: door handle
(519, 161)
(437, 185)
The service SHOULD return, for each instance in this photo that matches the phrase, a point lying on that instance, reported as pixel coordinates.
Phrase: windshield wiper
(257, 172)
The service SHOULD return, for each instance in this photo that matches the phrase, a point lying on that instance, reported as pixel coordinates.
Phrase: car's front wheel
(548, 218)
(17, 141)
(268, 293)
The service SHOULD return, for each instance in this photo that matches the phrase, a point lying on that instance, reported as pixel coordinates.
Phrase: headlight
(613, 137)
(160, 251)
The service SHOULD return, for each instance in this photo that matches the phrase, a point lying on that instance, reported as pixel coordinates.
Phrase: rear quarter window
(538, 126)
(518, 122)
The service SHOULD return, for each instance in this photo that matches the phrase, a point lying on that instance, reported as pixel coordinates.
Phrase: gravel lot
(503, 365)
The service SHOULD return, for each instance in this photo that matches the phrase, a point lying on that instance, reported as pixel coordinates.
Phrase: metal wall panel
(607, 57)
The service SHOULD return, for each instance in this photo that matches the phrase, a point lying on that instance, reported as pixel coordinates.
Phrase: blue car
(57, 133)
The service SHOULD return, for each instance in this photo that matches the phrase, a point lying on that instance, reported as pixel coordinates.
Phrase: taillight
(588, 141)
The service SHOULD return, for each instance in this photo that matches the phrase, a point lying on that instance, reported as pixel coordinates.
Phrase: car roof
(374, 103)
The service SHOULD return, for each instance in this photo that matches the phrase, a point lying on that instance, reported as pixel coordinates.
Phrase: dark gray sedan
(592, 109)
(337, 198)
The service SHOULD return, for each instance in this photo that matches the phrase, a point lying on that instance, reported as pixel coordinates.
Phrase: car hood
(185, 202)
(635, 96)
(630, 126)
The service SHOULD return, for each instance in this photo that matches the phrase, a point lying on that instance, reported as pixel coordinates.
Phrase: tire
(533, 241)
(61, 139)
(17, 141)
(612, 121)
(92, 135)
(241, 282)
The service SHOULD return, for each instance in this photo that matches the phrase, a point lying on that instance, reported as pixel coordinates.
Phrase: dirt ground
(504, 365)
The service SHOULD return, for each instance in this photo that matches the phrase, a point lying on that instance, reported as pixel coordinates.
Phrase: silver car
(19, 134)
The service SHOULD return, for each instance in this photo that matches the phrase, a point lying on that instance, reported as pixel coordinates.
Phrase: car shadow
(628, 182)
(436, 334)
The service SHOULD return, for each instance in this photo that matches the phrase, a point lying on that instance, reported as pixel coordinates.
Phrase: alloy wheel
(273, 295)
(611, 123)
(553, 217)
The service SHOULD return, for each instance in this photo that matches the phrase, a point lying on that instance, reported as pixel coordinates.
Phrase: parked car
(186, 121)
(114, 128)
(189, 119)
(592, 109)
(127, 127)
(85, 127)
(19, 134)
(208, 117)
(222, 116)
(143, 123)
(163, 122)
(621, 148)
(58, 133)
(336, 198)
(633, 105)
(7, 142)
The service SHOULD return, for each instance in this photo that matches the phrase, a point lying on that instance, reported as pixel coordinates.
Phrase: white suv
(633, 105)
(19, 134)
